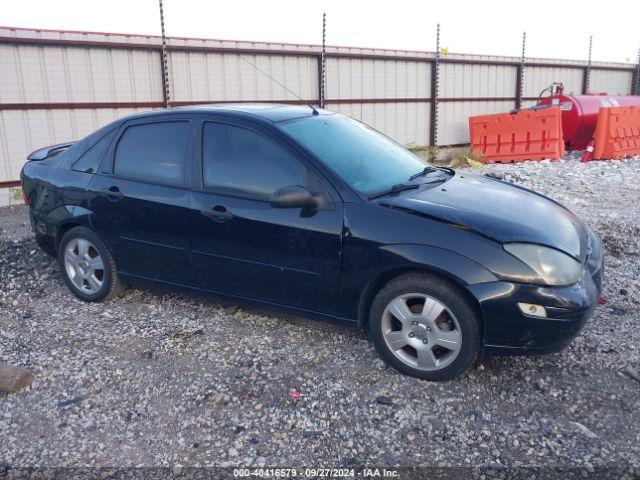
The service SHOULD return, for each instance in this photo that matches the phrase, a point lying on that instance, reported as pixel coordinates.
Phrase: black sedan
(316, 214)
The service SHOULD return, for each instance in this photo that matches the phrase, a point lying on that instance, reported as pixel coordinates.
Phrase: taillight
(25, 198)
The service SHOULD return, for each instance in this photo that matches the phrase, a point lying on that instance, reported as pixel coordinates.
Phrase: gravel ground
(160, 379)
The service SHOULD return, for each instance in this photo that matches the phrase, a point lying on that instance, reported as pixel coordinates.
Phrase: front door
(141, 200)
(245, 247)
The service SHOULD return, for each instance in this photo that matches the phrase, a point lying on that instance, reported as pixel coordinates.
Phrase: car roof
(268, 112)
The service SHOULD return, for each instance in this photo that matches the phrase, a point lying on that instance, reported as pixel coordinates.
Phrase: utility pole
(165, 67)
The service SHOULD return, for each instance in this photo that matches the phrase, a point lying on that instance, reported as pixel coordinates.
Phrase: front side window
(90, 160)
(153, 152)
(239, 161)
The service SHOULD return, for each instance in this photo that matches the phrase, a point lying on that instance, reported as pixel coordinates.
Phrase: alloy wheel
(84, 265)
(421, 331)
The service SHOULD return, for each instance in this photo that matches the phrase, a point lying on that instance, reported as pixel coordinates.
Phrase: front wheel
(423, 326)
(88, 268)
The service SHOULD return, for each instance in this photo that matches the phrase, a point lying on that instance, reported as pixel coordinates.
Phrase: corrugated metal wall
(537, 78)
(406, 122)
(58, 86)
(51, 74)
(613, 83)
(405, 85)
(453, 118)
(195, 76)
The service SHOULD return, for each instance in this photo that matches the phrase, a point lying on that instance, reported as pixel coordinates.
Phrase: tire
(87, 266)
(418, 313)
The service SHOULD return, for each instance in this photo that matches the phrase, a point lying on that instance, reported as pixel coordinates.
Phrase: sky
(493, 27)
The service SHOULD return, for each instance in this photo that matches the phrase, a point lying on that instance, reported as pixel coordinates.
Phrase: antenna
(315, 112)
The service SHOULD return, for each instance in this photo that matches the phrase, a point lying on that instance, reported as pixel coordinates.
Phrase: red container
(580, 114)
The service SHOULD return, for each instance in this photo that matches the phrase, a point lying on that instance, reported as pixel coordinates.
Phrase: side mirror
(295, 196)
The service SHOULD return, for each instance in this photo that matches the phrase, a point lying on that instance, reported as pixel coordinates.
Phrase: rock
(389, 459)
(13, 378)
(631, 373)
(588, 433)
(481, 415)
(233, 452)
(231, 309)
(71, 401)
(384, 400)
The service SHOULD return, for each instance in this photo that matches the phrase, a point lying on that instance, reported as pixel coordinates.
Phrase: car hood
(498, 210)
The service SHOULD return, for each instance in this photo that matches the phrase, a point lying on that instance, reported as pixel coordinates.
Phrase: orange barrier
(617, 133)
(524, 135)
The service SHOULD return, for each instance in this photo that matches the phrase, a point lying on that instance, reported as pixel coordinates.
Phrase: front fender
(451, 264)
(364, 271)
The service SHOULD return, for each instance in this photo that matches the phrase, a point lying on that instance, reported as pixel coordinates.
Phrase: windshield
(364, 159)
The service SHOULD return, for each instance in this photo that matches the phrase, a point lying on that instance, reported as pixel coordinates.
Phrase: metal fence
(59, 85)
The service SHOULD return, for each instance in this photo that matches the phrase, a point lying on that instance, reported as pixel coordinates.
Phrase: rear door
(242, 245)
(141, 200)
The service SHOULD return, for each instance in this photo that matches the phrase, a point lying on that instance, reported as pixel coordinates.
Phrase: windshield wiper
(422, 172)
(426, 170)
(396, 188)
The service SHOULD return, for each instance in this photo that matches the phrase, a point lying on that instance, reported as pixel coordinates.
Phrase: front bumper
(507, 331)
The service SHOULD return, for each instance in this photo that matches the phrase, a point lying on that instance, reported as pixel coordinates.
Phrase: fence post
(586, 74)
(323, 62)
(163, 64)
(435, 85)
(635, 85)
(520, 74)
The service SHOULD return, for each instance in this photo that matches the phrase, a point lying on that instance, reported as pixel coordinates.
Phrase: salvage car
(316, 214)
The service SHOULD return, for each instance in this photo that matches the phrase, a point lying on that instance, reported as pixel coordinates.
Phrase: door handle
(113, 193)
(219, 214)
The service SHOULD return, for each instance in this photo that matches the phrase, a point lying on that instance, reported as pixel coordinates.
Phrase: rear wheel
(87, 265)
(423, 326)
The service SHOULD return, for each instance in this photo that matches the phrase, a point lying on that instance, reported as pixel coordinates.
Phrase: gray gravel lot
(161, 379)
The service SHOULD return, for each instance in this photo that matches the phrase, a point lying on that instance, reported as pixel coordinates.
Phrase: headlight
(552, 266)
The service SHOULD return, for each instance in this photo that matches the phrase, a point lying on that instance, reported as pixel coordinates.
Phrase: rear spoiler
(49, 152)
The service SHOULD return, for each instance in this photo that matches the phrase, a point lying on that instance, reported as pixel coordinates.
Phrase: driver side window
(241, 162)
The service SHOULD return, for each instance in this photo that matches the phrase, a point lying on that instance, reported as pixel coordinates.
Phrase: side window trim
(199, 182)
(108, 164)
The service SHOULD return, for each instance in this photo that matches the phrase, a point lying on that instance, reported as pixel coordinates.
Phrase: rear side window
(90, 160)
(154, 152)
(239, 161)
